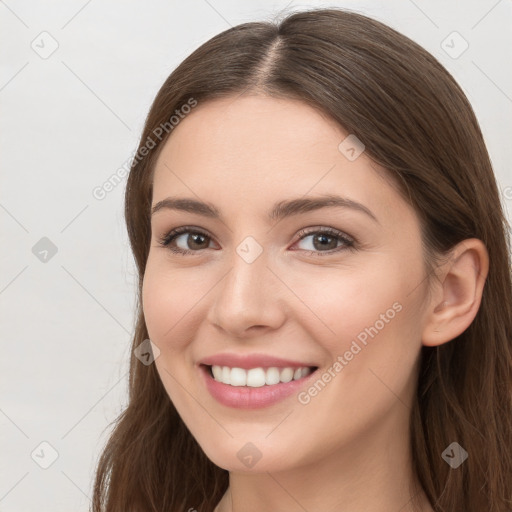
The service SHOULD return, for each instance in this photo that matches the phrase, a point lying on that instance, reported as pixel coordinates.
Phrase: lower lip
(245, 397)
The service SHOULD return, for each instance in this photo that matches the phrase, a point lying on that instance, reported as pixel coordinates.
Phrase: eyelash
(350, 243)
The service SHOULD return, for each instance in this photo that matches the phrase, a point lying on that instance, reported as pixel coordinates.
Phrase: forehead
(247, 126)
(257, 150)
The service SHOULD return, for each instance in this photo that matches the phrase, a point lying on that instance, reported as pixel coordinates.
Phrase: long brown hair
(416, 122)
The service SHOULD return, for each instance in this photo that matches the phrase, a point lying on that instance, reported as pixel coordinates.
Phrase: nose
(249, 300)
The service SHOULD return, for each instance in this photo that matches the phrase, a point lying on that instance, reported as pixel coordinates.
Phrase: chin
(251, 457)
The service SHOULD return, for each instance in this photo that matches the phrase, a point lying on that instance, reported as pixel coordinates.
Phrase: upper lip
(251, 361)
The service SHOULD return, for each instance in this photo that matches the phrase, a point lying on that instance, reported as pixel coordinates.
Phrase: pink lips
(244, 397)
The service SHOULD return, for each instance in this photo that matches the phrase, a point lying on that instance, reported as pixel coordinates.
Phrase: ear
(458, 293)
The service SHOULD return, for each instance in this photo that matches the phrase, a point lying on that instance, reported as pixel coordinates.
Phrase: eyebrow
(280, 210)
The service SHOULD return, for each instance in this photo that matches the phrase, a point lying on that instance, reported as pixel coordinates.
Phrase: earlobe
(455, 304)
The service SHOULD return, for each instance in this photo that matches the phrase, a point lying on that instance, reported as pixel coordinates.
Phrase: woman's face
(257, 293)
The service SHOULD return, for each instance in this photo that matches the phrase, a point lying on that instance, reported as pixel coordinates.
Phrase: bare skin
(346, 447)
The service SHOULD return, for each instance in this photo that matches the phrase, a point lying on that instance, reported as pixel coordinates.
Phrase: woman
(324, 279)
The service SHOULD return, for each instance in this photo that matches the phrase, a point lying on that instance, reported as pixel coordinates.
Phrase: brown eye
(186, 241)
(325, 241)
(195, 240)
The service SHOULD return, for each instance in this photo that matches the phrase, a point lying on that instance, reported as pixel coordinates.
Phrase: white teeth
(217, 373)
(286, 374)
(226, 375)
(257, 377)
(272, 376)
(238, 377)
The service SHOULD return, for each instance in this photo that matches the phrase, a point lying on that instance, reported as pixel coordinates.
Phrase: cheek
(339, 304)
(169, 304)
(371, 321)
(372, 350)
(168, 301)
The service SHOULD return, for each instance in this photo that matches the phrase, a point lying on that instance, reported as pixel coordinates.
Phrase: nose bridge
(248, 295)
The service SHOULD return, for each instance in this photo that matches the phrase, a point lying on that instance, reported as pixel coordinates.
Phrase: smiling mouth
(257, 377)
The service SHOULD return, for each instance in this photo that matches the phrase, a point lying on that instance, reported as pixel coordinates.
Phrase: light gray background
(69, 121)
